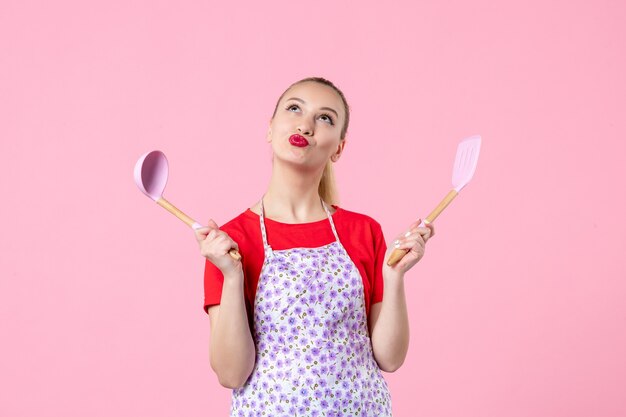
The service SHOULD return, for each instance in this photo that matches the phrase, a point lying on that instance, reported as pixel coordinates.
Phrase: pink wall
(517, 308)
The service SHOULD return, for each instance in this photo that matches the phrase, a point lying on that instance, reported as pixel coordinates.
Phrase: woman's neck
(292, 196)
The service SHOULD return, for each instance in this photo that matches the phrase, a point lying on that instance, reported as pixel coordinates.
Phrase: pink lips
(297, 140)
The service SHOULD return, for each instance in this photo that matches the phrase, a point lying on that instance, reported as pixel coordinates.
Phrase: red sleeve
(243, 229)
(380, 247)
(213, 277)
(213, 282)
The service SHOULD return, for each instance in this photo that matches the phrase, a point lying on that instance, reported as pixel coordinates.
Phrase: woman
(299, 325)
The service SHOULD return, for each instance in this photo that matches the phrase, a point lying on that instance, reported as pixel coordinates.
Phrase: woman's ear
(269, 131)
(337, 154)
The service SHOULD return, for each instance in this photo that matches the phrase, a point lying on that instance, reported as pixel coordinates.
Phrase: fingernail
(396, 243)
(407, 234)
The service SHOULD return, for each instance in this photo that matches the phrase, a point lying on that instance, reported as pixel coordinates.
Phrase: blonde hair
(327, 188)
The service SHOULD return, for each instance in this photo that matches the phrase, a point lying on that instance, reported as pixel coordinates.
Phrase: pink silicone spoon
(151, 171)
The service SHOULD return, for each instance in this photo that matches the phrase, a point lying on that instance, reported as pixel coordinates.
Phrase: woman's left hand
(415, 242)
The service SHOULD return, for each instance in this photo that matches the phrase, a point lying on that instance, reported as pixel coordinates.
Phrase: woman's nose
(305, 127)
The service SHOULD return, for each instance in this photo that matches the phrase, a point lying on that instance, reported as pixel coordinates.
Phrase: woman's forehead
(315, 94)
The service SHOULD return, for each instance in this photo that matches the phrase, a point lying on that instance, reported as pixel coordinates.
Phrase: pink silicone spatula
(463, 171)
(151, 171)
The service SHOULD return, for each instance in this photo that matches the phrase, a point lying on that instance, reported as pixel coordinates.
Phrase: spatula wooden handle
(444, 203)
(398, 254)
(234, 253)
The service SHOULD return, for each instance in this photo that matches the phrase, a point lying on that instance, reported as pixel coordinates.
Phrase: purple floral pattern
(314, 354)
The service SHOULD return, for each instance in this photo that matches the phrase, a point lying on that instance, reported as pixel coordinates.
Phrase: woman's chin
(297, 160)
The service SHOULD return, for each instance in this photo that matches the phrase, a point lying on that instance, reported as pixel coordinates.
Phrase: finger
(412, 227)
(224, 238)
(202, 233)
(424, 232)
(415, 247)
(410, 241)
(413, 236)
(432, 229)
(224, 244)
(418, 233)
(212, 225)
(212, 234)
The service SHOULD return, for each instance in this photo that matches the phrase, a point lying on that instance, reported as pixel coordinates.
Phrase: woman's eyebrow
(321, 108)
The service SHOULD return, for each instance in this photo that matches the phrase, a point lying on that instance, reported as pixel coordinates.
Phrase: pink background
(517, 309)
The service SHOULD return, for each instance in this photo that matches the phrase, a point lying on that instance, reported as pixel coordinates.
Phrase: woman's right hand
(214, 245)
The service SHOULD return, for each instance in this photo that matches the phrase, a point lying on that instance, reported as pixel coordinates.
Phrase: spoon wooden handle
(175, 211)
(234, 253)
(398, 254)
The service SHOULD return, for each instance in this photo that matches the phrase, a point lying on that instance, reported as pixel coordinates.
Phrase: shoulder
(241, 225)
(356, 221)
(354, 217)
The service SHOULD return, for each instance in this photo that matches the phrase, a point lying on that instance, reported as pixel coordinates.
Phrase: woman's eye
(328, 118)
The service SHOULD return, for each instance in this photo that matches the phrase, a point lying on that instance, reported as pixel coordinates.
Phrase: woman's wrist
(390, 274)
(234, 274)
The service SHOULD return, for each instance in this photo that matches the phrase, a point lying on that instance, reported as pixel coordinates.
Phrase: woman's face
(316, 113)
